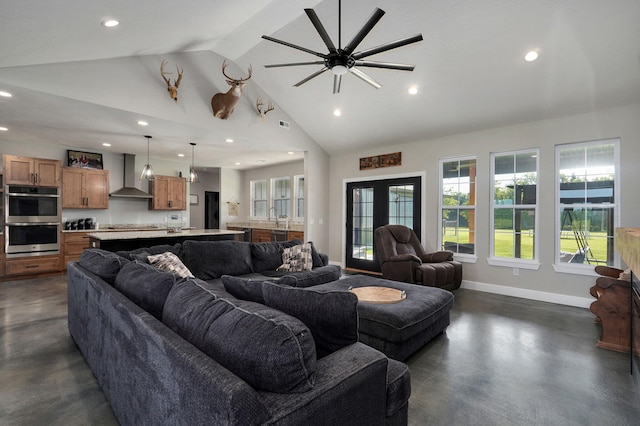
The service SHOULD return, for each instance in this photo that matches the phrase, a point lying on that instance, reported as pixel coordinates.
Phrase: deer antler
(224, 66)
(171, 88)
(262, 111)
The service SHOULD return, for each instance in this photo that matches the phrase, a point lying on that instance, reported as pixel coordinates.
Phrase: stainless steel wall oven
(32, 221)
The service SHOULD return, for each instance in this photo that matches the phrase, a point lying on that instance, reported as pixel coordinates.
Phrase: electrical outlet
(516, 272)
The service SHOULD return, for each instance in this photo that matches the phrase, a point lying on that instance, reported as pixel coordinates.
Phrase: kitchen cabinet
(169, 193)
(295, 235)
(73, 243)
(85, 188)
(32, 265)
(31, 171)
(260, 235)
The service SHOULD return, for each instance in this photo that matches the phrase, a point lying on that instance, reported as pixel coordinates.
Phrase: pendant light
(147, 171)
(193, 175)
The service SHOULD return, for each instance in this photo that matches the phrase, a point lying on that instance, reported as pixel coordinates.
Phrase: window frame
(297, 199)
(514, 262)
(585, 269)
(274, 198)
(462, 257)
(252, 185)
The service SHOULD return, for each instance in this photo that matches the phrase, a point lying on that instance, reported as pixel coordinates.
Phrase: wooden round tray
(375, 294)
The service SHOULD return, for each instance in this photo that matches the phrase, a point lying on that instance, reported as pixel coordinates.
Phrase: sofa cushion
(142, 254)
(315, 256)
(104, 264)
(145, 286)
(296, 258)
(268, 349)
(267, 256)
(251, 289)
(212, 259)
(331, 315)
(316, 276)
(169, 262)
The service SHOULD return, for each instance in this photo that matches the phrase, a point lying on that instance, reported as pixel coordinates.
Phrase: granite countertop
(281, 225)
(128, 235)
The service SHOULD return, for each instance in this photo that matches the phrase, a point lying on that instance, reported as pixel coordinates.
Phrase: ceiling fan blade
(368, 26)
(386, 65)
(294, 46)
(294, 64)
(337, 81)
(387, 46)
(314, 75)
(355, 71)
(321, 30)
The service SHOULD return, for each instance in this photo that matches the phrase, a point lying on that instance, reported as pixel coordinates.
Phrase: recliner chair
(402, 258)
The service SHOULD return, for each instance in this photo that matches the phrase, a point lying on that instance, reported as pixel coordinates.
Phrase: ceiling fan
(342, 60)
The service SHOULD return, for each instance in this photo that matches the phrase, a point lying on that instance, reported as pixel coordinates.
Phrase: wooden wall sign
(384, 160)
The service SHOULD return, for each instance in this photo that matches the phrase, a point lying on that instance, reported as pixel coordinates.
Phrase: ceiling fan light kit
(343, 60)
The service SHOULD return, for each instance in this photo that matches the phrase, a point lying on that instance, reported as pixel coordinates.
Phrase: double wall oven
(32, 221)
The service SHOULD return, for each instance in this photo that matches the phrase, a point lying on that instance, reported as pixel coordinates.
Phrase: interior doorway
(211, 210)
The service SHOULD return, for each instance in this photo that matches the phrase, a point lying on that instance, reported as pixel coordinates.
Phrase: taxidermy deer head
(171, 88)
(262, 111)
(223, 103)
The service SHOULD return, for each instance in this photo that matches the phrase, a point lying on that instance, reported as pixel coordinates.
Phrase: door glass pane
(363, 223)
(401, 205)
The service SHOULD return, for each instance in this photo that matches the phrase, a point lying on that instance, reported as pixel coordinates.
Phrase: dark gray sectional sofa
(184, 351)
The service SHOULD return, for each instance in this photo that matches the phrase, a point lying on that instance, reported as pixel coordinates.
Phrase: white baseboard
(561, 299)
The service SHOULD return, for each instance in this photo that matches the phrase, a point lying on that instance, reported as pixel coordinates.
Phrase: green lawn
(504, 241)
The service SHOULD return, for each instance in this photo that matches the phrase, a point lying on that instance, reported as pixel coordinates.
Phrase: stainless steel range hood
(129, 189)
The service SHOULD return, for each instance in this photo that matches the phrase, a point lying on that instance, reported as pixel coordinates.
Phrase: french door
(371, 204)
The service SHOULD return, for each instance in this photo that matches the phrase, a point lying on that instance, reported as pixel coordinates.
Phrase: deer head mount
(262, 111)
(223, 103)
(171, 88)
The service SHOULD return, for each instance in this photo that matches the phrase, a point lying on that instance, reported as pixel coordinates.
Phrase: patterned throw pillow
(169, 262)
(296, 258)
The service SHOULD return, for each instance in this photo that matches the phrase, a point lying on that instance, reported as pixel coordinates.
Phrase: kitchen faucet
(276, 214)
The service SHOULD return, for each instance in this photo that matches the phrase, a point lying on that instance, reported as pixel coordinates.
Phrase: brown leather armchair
(402, 258)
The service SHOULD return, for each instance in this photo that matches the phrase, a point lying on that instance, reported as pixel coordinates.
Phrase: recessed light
(5, 94)
(4, 129)
(106, 144)
(413, 90)
(228, 140)
(110, 23)
(237, 164)
(180, 155)
(337, 112)
(142, 123)
(290, 152)
(531, 56)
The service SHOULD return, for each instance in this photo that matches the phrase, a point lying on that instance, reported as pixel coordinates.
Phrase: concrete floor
(503, 361)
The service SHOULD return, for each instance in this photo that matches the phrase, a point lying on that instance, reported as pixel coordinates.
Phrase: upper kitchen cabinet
(30, 171)
(169, 193)
(85, 188)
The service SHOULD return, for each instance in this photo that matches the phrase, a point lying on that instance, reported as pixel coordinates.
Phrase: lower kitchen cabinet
(260, 235)
(32, 265)
(73, 243)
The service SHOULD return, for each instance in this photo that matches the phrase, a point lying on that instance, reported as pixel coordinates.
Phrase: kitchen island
(131, 240)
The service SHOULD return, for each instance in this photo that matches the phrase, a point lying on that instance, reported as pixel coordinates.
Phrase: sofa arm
(350, 388)
(400, 270)
(437, 256)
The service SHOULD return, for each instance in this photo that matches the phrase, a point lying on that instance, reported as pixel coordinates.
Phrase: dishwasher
(278, 235)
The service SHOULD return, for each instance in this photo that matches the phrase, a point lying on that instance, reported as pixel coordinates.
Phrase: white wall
(209, 181)
(423, 157)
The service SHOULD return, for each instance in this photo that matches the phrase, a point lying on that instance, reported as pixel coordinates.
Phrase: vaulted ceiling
(77, 83)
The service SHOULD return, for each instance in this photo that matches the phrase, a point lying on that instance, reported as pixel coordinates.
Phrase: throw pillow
(142, 253)
(268, 349)
(248, 289)
(267, 256)
(296, 258)
(169, 262)
(145, 286)
(331, 315)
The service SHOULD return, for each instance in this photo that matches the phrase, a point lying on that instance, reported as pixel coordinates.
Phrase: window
(586, 204)
(514, 209)
(259, 198)
(281, 196)
(299, 196)
(458, 205)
